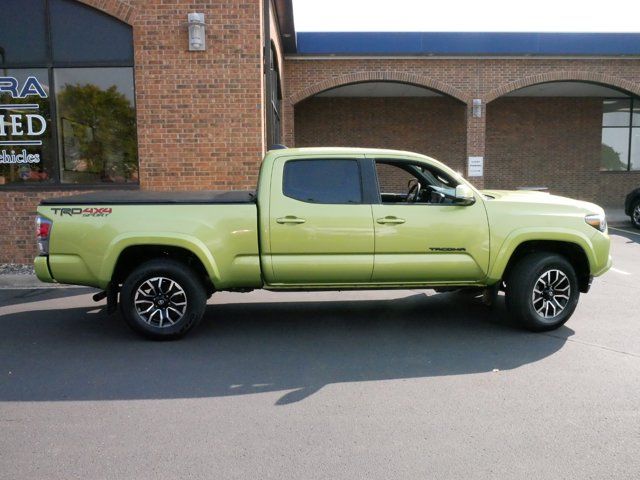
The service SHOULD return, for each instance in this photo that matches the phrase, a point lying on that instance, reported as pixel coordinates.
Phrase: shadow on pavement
(81, 354)
(28, 295)
(630, 233)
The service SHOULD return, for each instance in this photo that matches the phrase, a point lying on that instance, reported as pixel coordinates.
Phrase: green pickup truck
(324, 219)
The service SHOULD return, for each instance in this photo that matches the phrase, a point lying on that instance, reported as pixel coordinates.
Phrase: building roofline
(286, 25)
(467, 44)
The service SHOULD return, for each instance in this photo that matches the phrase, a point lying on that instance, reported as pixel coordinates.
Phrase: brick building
(116, 94)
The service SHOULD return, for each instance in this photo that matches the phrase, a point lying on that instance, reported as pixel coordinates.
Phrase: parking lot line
(620, 271)
(623, 230)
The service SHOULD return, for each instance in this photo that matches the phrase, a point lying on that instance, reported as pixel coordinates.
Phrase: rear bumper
(41, 266)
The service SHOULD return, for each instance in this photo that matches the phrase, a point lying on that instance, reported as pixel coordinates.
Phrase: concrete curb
(16, 281)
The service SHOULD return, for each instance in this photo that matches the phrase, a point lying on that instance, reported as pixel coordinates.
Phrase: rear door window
(323, 181)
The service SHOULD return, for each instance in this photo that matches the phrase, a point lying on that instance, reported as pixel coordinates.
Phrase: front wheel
(635, 214)
(542, 291)
(162, 299)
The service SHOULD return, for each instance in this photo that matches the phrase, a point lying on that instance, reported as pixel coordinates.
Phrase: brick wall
(17, 223)
(432, 126)
(551, 142)
(488, 80)
(199, 113)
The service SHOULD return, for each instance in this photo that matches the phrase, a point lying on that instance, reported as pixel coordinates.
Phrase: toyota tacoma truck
(324, 219)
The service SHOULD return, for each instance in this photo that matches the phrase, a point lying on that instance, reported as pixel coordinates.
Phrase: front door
(421, 235)
(321, 230)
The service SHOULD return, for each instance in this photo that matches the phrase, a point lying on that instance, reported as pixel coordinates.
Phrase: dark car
(632, 207)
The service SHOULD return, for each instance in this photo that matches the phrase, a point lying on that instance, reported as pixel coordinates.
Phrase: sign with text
(475, 167)
(22, 124)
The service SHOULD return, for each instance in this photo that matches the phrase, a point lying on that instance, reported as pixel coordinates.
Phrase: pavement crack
(589, 344)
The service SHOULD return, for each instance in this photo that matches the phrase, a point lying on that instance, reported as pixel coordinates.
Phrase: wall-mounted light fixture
(477, 108)
(197, 37)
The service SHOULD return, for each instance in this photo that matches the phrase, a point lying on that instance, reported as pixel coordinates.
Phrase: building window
(620, 135)
(67, 106)
(274, 100)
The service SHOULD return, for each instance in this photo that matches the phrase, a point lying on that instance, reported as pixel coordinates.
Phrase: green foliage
(610, 159)
(99, 131)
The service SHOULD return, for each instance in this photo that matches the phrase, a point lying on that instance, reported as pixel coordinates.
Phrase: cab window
(405, 182)
(323, 181)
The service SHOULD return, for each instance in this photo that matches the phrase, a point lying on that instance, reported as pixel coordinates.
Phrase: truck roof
(341, 151)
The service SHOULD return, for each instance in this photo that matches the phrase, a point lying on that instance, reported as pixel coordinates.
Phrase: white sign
(20, 120)
(475, 166)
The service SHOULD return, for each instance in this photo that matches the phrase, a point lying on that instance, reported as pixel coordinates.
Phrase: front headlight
(597, 220)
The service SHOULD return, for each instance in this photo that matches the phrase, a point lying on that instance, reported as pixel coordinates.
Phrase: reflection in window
(80, 33)
(635, 149)
(96, 114)
(620, 135)
(615, 112)
(22, 32)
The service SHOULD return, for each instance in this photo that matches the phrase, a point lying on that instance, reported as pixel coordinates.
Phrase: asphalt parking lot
(402, 384)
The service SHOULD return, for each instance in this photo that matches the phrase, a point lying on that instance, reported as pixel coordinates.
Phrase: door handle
(290, 219)
(390, 220)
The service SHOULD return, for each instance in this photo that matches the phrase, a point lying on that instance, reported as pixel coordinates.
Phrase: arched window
(67, 104)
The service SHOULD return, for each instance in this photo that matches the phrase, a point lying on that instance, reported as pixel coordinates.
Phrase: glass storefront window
(620, 135)
(17, 46)
(67, 106)
(83, 34)
(25, 127)
(615, 149)
(97, 125)
(616, 113)
(635, 149)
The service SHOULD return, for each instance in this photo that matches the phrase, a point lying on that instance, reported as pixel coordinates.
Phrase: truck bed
(154, 198)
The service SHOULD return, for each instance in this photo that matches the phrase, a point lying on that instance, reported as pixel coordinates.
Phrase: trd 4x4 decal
(84, 212)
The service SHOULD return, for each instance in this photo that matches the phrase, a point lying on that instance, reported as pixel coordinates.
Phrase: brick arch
(575, 76)
(360, 77)
(119, 9)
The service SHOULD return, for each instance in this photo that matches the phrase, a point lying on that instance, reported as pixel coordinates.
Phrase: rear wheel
(542, 291)
(635, 214)
(162, 299)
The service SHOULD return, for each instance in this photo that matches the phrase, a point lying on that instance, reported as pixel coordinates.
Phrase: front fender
(518, 237)
(121, 242)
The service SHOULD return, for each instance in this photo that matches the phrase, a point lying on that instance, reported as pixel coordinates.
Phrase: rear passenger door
(320, 221)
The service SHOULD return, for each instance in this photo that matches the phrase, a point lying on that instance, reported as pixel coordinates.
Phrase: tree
(610, 159)
(99, 131)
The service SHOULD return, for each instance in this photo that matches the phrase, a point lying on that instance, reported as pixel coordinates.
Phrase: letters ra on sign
(31, 87)
(475, 167)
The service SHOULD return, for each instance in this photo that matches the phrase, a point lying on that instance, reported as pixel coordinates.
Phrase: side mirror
(464, 195)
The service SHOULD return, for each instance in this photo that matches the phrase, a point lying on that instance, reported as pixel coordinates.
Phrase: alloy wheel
(551, 293)
(160, 302)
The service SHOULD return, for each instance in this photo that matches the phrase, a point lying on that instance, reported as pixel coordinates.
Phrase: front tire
(635, 214)
(542, 291)
(162, 299)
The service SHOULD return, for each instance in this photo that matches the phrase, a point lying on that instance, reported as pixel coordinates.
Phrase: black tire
(151, 283)
(531, 273)
(635, 213)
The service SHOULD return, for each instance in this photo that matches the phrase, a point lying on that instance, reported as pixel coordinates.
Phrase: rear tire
(162, 299)
(635, 214)
(542, 291)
